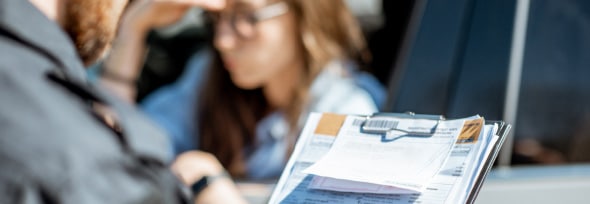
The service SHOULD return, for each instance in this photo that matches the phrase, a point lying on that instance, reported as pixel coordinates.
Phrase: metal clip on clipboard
(381, 123)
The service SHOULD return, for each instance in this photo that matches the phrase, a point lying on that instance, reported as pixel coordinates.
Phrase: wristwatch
(206, 181)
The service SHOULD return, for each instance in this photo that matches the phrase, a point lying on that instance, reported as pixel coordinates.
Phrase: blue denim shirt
(338, 88)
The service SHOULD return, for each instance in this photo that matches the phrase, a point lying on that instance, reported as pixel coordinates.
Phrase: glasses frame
(252, 19)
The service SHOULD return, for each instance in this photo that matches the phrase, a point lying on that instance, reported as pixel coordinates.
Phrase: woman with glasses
(246, 99)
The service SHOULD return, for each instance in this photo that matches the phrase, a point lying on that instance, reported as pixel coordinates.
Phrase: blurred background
(455, 58)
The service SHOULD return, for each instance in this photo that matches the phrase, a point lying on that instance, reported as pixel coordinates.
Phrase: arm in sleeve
(173, 107)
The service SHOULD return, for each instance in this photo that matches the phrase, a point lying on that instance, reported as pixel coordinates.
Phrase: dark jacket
(53, 147)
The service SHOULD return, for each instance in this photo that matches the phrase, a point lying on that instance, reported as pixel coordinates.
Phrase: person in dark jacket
(64, 140)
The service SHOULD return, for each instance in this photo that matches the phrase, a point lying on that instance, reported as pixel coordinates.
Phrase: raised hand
(143, 15)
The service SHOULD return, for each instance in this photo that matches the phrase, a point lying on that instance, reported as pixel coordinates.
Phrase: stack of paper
(414, 161)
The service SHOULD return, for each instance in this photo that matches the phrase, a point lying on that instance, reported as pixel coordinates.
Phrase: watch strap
(207, 180)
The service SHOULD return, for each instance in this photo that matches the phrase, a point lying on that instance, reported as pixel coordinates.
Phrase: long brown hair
(227, 115)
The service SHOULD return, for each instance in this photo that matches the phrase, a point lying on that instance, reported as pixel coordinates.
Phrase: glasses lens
(244, 25)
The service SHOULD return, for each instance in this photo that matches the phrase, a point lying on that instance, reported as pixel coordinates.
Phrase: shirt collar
(29, 26)
(335, 70)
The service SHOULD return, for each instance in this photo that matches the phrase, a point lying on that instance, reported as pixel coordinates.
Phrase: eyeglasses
(244, 22)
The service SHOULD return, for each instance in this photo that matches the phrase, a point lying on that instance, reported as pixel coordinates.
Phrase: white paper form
(465, 157)
(464, 152)
(332, 184)
(406, 162)
(475, 164)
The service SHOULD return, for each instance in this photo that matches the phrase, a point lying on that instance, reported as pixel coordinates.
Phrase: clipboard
(373, 124)
(502, 133)
(473, 190)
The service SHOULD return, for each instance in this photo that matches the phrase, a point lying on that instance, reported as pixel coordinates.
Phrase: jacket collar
(24, 22)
